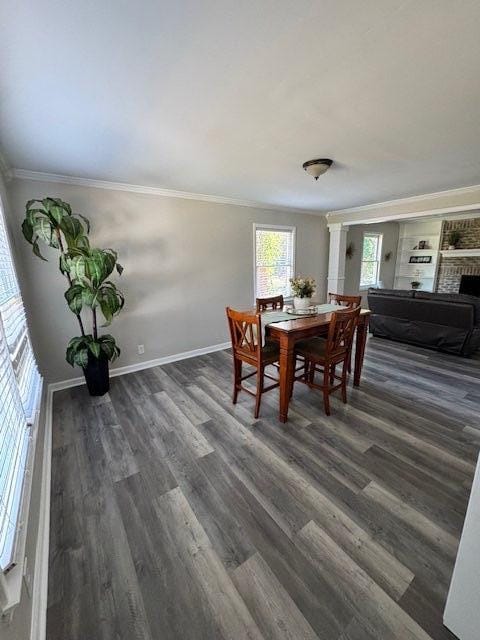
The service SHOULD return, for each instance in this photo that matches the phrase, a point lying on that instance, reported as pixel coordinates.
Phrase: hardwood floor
(176, 515)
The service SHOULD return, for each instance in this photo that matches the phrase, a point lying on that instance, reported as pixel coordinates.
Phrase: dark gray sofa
(444, 321)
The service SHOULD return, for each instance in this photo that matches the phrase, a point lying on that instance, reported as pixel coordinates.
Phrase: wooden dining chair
(246, 336)
(269, 304)
(345, 301)
(324, 354)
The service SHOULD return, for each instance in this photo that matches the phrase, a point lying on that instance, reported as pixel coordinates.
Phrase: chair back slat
(345, 301)
(245, 332)
(341, 330)
(267, 304)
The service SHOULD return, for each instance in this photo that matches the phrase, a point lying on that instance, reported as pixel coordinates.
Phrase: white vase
(302, 303)
(451, 247)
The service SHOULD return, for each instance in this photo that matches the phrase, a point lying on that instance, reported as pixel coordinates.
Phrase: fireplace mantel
(460, 253)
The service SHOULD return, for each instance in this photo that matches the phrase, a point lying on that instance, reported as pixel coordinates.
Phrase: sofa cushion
(398, 293)
(459, 315)
(452, 297)
(425, 334)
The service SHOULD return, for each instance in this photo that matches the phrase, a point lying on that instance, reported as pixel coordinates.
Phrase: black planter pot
(96, 375)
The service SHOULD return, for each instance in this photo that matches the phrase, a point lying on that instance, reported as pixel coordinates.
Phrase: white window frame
(366, 234)
(11, 581)
(272, 227)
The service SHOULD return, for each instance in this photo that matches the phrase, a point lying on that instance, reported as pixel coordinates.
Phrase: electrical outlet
(141, 349)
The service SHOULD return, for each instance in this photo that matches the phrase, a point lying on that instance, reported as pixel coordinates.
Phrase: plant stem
(60, 243)
(95, 333)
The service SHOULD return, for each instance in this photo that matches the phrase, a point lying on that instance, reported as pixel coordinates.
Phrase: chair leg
(293, 378)
(237, 378)
(344, 380)
(326, 388)
(311, 373)
(305, 369)
(260, 374)
(332, 374)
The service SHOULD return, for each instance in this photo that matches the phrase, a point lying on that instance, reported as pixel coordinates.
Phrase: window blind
(274, 260)
(19, 389)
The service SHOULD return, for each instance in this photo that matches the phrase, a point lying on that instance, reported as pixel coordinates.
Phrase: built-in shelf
(460, 253)
(411, 233)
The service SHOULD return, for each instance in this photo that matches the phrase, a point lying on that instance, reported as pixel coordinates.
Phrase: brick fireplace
(452, 267)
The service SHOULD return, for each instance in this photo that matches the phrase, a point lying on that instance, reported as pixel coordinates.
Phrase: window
(19, 390)
(371, 258)
(274, 260)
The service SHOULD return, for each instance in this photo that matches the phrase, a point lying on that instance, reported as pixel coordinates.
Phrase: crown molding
(406, 201)
(25, 174)
(411, 200)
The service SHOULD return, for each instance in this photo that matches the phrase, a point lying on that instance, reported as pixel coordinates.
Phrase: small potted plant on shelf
(453, 239)
(302, 289)
(416, 284)
(90, 292)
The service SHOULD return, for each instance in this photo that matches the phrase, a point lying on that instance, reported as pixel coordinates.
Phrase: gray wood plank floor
(176, 515)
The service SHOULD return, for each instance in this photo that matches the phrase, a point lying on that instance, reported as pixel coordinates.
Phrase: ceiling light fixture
(316, 168)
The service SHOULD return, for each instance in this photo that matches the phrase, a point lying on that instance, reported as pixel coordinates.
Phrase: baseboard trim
(38, 628)
(146, 364)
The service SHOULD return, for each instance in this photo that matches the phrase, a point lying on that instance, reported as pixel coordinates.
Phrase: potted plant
(415, 284)
(302, 289)
(453, 239)
(90, 292)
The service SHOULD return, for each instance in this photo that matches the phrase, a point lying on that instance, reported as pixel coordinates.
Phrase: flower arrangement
(303, 287)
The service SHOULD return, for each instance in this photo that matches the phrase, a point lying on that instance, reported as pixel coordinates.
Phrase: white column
(336, 260)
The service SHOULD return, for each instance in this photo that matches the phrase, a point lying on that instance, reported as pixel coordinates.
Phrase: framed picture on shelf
(420, 259)
(423, 244)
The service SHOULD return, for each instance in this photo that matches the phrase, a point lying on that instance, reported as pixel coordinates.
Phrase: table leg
(286, 372)
(361, 341)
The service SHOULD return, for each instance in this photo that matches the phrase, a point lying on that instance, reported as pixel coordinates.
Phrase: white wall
(462, 611)
(353, 264)
(184, 261)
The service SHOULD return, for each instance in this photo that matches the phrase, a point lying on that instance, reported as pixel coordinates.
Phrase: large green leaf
(109, 347)
(74, 298)
(95, 348)
(78, 348)
(94, 265)
(77, 351)
(43, 229)
(86, 221)
(56, 213)
(111, 301)
(36, 251)
(71, 227)
(81, 358)
(27, 230)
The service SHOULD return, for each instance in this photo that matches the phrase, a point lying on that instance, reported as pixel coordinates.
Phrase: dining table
(289, 331)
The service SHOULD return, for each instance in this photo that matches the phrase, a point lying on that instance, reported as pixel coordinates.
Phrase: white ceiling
(230, 97)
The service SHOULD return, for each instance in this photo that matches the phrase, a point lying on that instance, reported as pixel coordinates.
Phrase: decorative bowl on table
(309, 311)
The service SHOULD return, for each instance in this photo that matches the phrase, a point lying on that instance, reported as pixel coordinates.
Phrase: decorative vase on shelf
(451, 247)
(302, 303)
